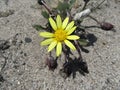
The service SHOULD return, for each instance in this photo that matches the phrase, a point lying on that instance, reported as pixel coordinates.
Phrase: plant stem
(46, 6)
(100, 4)
(94, 19)
(65, 53)
(93, 26)
(97, 5)
(85, 4)
(78, 49)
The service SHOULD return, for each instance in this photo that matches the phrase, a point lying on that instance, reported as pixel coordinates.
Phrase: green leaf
(63, 6)
(45, 14)
(83, 42)
(72, 2)
(38, 27)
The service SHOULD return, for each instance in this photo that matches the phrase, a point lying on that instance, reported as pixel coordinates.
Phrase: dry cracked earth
(22, 58)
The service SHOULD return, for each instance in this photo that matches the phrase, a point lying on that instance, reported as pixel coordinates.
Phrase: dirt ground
(24, 68)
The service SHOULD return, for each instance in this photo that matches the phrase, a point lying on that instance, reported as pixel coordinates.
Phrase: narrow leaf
(38, 27)
(63, 6)
(83, 42)
(45, 14)
(72, 2)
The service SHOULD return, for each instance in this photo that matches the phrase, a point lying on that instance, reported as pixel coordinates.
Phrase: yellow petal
(46, 34)
(52, 45)
(71, 30)
(46, 42)
(69, 44)
(69, 26)
(73, 37)
(59, 21)
(59, 49)
(65, 22)
(53, 23)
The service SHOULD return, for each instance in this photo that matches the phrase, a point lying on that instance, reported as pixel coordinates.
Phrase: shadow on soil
(73, 66)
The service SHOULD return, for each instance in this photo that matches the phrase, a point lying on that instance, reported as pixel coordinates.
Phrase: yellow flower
(61, 34)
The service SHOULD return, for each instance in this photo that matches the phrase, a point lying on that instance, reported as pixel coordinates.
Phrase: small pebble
(28, 40)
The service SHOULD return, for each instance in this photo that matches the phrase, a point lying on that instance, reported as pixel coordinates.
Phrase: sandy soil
(24, 68)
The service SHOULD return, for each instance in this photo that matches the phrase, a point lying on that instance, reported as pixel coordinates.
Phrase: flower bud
(86, 1)
(106, 26)
(40, 2)
(51, 63)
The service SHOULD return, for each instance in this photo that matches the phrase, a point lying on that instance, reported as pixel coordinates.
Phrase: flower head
(61, 34)
(106, 26)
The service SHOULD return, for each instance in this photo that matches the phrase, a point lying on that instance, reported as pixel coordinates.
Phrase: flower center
(60, 35)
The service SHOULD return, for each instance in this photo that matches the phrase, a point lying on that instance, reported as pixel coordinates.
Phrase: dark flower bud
(106, 26)
(41, 2)
(51, 63)
(86, 1)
